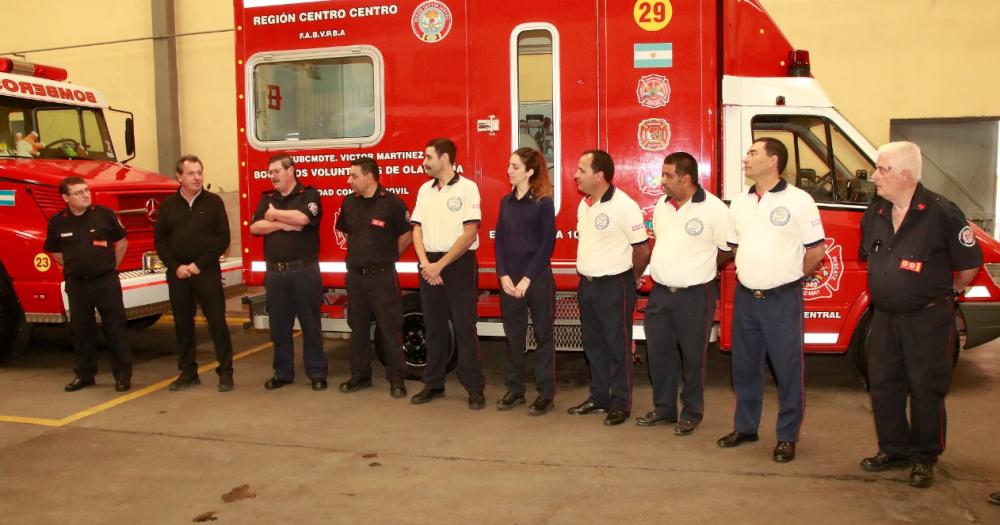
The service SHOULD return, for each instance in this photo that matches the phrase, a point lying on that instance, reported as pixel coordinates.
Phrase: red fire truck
(330, 81)
(51, 129)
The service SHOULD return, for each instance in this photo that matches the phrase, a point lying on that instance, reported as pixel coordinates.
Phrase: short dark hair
(69, 181)
(684, 164)
(774, 147)
(443, 145)
(602, 161)
(188, 158)
(285, 160)
(368, 166)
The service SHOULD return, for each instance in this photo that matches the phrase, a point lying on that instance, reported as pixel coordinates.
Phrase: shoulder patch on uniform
(313, 208)
(966, 237)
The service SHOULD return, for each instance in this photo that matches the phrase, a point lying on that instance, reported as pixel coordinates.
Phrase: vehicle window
(97, 139)
(821, 160)
(337, 100)
(534, 49)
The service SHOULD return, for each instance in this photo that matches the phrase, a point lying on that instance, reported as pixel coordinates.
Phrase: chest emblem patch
(313, 208)
(455, 203)
(602, 221)
(694, 227)
(780, 216)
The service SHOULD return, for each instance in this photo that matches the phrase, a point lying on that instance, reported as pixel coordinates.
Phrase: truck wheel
(414, 340)
(143, 322)
(860, 343)
(15, 332)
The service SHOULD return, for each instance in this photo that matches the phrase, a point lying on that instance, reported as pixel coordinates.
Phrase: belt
(371, 268)
(603, 277)
(762, 294)
(92, 277)
(287, 266)
(944, 299)
(677, 289)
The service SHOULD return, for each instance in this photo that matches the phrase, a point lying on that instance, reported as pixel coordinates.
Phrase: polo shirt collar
(379, 192)
(699, 195)
(780, 186)
(918, 201)
(610, 192)
(452, 182)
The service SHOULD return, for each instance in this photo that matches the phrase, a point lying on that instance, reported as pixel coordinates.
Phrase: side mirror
(861, 174)
(129, 137)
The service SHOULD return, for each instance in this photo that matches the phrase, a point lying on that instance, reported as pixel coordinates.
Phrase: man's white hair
(905, 156)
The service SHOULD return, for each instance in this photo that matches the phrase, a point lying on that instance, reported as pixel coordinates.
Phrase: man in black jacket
(191, 233)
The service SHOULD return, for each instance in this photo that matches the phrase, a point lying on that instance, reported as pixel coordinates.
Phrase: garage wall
(877, 60)
(887, 59)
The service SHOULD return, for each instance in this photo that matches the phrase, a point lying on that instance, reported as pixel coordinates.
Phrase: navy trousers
(295, 294)
(607, 305)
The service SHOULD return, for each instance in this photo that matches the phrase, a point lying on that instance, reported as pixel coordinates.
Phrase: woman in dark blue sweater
(525, 238)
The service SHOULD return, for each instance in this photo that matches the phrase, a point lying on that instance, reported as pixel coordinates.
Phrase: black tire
(15, 331)
(143, 323)
(858, 351)
(415, 342)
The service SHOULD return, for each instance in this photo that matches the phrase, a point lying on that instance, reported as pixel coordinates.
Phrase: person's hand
(269, 214)
(640, 281)
(432, 272)
(183, 272)
(193, 269)
(522, 287)
(508, 285)
(284, 226)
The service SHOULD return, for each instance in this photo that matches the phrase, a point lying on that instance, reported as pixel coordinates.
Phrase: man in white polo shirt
(778, 239)
(690, 226)
(612, 242)
(445, 236)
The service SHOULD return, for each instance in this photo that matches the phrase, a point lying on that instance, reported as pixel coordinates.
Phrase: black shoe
(319, 383)
(922, 475)
(616, 416)
(426, 395)
(397, 391)
(225, 383)
(78, 383)
(784, 452)
(995, 498)
(685, 427)
(653, 418)
(123, 385)
(355, 383)
(587, 407)
(883, 461)
(183, 382)
(735, 439)
(540, 406)
(476, 400)
(509, 401)
(276, 382)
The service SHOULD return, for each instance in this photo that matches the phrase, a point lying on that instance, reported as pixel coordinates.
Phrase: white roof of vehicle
(35, 88)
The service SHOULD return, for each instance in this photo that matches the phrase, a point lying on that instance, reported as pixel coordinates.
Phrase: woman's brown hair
(539, 182)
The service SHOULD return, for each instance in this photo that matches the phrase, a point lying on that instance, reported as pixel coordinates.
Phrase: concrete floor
(320, 457)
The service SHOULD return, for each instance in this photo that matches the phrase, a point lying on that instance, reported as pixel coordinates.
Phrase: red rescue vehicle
(51, 129)
(331, 81)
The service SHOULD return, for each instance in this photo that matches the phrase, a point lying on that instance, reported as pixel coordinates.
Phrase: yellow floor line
(200, 321)
(124, 398)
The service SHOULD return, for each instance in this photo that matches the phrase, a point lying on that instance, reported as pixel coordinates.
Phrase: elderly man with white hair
(921, 254)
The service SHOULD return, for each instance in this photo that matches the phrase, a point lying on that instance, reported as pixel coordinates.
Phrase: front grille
(130, 206)
(48, 199)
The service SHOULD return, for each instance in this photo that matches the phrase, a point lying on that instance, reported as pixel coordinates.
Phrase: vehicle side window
(332, 100)
(821, 160)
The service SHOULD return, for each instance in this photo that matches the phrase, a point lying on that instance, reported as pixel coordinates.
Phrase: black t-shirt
(912, 267)
(86, 242)
(196, 233)
(373, 226)
(282, 246)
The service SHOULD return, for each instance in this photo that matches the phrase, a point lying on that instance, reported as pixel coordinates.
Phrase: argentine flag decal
(6, 197)
(653, 55)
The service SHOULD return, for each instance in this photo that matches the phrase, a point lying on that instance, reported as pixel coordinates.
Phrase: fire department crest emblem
(602, 222)
(826, 279)
(653, 91)
(431, 21)
(455, 203)
(654, 134)
(650, 183)
(966, 237)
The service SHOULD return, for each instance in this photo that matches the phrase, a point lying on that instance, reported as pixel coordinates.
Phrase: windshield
(33, 129)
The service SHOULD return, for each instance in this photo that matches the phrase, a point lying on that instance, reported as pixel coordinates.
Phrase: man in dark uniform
(378, 231)
(89, 242)
(288, 218)
(921, 255)
(446, 221)
(191, 233)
